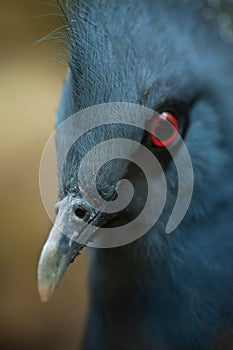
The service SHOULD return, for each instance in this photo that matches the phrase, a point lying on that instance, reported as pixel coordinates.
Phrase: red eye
(164, 129)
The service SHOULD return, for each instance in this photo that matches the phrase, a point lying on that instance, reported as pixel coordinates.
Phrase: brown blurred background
(30, 84)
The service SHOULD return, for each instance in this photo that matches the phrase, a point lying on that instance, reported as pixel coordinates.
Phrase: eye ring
(171, 118)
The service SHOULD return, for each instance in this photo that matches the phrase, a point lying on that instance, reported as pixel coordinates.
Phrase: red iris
(164, 130)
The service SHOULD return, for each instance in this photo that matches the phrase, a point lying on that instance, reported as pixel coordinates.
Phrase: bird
(161, 291)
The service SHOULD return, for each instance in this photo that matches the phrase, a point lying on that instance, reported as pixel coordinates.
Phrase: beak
(58, 252)
(66, 239)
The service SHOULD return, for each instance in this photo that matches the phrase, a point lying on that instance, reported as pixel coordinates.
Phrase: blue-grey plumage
(165, 292)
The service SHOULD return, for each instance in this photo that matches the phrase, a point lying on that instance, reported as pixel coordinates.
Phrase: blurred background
(31, 81)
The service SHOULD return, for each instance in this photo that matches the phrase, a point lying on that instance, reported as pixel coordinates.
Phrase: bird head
(139, 53)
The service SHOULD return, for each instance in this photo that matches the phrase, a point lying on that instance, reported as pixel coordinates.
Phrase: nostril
(80, 212)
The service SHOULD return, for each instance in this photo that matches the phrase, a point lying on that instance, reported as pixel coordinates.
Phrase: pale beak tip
(44, 298)
(45, 293)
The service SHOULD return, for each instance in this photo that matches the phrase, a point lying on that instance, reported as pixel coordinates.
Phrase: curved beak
(66, 239)
(58, 252)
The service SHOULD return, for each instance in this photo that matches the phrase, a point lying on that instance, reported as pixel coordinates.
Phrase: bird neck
(126, 266)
